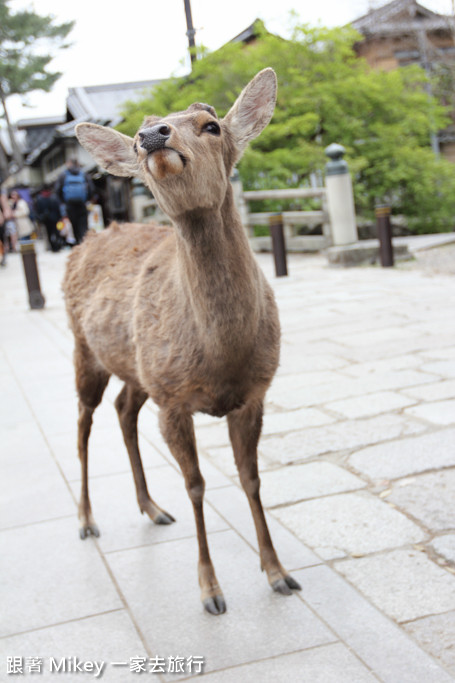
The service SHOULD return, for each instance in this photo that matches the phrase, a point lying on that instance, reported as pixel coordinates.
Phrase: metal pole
(191, 31)
(385, 235)
(278, 244)
(35, 297)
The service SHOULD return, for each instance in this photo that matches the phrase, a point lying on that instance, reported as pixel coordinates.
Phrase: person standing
(21, 215)
(74, 188)
(10, 235)
(48, 213)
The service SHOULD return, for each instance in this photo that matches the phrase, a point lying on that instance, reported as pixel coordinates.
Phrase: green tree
(327, 94)
(25, 41)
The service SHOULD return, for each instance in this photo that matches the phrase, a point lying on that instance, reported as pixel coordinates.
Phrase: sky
(134, 40)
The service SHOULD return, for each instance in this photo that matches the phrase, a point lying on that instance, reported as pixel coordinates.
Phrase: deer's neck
(218, 271)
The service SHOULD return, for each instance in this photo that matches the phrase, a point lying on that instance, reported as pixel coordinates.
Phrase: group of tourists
(54, 207)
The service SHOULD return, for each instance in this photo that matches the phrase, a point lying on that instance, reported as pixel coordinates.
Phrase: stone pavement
(358, 475)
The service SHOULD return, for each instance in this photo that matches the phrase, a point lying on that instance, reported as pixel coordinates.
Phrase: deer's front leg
(178, 432)
(245, 427)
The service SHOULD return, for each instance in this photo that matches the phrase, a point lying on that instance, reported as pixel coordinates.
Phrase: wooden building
(405, 32)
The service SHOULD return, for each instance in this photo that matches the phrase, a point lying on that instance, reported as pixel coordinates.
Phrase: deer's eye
(211, 127)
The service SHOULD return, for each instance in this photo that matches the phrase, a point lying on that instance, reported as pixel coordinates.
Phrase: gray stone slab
(444, 368)
(405, 584)
(308, 443)
(117, 514)
(297, 482)
(49, 575)
(325, 664)
(104, 638)
(381, 645)
(439, 412)
(433, 392)
(406, 456)
(160, 585)
(231, 503)
(386, 365)
(445, 546)
(437, 636)
(351, 523)
(372, 404)
(223, 459)
(276, 423)
(429, 498)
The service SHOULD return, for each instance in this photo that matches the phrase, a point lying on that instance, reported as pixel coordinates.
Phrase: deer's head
(186, 158)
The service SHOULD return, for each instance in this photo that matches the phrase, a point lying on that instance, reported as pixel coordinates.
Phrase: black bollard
(35, 297)
(278, 244)
(384, 232)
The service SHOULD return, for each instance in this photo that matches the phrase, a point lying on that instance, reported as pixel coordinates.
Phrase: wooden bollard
(35, 296)
(384, 232)
(278, 244)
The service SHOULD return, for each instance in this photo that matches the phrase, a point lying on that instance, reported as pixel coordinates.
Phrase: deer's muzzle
(155, 137)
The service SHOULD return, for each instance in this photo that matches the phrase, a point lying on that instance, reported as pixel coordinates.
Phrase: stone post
(340, 199)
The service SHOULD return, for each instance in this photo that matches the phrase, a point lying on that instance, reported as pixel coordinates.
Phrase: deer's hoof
(89, 530)
(285, 584)
(164, 518)
(215, 605)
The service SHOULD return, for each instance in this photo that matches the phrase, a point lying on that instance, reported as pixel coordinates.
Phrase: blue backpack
(74, 187)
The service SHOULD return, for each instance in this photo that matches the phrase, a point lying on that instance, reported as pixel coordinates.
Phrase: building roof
(103, 102)
(401, 16)
(95, 103)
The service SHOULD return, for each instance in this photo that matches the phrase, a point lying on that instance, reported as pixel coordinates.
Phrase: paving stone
(297, 482)
(383, 366)
(351, 523)
(223, 458)
(104, 638)
(49, 576)
(160, 585)
(325, 664)
(304, 444)
(429, 498)
(437, 636)
(432, 392)
(405, 584)
(406, 456)
(445, 368)
(439, 412)
(443, 354)
(276, 423)
(373, 404)
(291, 392)
(231, 504)
(445, 546)
(383, 646)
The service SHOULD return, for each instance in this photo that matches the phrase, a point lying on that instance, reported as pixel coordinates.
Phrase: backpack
(74, 187)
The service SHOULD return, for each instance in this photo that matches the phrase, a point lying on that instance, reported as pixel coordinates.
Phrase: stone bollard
(35, 297)
(340, 199)
(384, 231)
(278, 244)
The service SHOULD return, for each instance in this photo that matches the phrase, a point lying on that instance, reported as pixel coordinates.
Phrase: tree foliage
(27, 41)
(327, 94)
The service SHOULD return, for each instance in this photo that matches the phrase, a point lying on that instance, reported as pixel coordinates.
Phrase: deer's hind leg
(245, 427)
(91, 381)
(128, 404)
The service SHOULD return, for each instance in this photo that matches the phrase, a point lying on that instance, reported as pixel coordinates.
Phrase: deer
(181, 314)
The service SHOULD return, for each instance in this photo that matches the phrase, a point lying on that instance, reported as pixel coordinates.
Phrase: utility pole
(191, 31)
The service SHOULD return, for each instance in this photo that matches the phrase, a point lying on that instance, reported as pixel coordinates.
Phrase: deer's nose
(155, 137)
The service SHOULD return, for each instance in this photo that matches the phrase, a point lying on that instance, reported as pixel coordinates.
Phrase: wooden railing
(292, 220)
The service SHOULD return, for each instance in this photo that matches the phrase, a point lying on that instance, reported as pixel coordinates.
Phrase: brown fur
(183, 314)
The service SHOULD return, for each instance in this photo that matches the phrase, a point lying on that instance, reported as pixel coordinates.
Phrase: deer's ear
(111, 149)
(253, 109)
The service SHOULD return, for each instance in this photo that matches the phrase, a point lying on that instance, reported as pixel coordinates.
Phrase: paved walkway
(358, 472)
